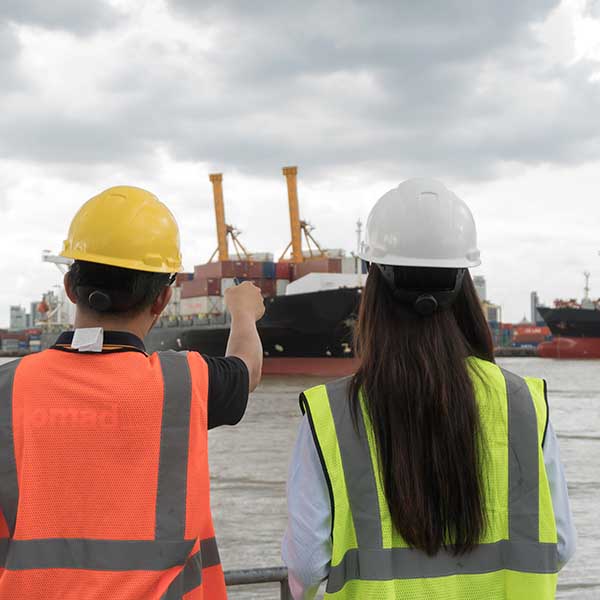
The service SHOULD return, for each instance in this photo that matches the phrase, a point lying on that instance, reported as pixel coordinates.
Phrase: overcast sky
(500, 100)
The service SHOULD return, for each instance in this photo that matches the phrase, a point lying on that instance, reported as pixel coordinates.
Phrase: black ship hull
(576, 333)
(313, 325)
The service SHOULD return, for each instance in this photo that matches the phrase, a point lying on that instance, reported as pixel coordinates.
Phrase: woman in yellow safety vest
(431, 473)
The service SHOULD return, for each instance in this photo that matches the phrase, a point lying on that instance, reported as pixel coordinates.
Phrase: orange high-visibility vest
(104, 481)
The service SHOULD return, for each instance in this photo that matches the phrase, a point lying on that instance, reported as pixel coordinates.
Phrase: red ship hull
(570, 347)
(323, 367)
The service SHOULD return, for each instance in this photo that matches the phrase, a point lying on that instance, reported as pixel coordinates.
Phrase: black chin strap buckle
(100, 301)
(425, 305)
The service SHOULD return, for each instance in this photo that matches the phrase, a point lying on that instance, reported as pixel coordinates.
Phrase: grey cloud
(456, 88)
(9, 44)
(287, 39)
(593, 8)
(9, 53)
(71, 15)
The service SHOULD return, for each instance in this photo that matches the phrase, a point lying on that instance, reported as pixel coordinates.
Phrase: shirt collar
(114, 341)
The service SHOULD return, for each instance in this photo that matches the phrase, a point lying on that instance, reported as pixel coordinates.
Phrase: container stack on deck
(505, 333)
(200, 294)
(522, 335)
(529, 335)
(20, 342)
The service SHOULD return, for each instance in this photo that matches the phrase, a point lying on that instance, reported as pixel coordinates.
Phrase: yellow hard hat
(125, 227)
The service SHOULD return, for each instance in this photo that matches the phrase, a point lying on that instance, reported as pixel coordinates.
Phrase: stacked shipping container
(202, 294)
(236, 268)
(317, 265)
(509, 335)
(19, 342)
(530, 335)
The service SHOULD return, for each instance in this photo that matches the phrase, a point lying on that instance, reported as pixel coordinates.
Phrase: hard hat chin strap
(423, 302)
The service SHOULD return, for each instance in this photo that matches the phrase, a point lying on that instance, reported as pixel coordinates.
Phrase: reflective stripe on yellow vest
(169, 556)
(517, 555)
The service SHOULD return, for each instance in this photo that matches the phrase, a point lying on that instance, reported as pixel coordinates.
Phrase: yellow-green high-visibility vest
(516, 558)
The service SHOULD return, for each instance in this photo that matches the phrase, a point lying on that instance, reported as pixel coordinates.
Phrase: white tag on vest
(88, 339)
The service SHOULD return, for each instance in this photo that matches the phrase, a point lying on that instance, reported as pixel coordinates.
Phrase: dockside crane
(223, 230)
(297, 225)
(55, 312)
(62, 263)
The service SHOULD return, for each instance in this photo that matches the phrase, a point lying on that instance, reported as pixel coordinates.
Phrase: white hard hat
(421, 223)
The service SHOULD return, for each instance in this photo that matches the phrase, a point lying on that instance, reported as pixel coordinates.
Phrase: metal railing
(254, 576)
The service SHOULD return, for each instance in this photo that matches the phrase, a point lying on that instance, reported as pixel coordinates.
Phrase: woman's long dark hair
(420, 400)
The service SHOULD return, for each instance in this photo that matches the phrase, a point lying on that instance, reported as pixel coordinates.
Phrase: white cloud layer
(499, 100)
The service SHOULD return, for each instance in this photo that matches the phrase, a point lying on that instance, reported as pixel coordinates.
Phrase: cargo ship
(311, 298)
(575, 327)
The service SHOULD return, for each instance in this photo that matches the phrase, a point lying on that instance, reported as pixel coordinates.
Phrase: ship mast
(586, 289)
(358, 236)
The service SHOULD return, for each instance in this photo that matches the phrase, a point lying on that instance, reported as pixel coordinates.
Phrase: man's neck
(136, 326)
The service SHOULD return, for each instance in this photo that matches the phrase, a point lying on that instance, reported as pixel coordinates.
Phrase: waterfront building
(480, 287)
(18, 318)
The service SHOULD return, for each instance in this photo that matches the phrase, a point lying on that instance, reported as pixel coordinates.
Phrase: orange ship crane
(223, 230)
(297, 225)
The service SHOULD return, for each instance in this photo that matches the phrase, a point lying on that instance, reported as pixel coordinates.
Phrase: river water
(249, 467)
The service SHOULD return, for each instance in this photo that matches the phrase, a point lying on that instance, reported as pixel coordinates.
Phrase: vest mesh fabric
(73, 432)
(500, 584)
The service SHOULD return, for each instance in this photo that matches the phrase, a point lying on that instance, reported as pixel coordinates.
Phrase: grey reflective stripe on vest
(407, 563)
(174, 446)
(523, 486)
(96, 555)
(171, 493)
(521, 552)
(358, 467)
(189, 579)
(105, 555)
(191, 576)
(210, 553)
(9, 487)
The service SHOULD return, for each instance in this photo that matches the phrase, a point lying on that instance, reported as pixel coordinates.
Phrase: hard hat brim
(134, 265)
(411, 261)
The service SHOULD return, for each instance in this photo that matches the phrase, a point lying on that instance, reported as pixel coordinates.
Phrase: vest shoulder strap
(316, 393)
(174, 446)
(9, 487)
